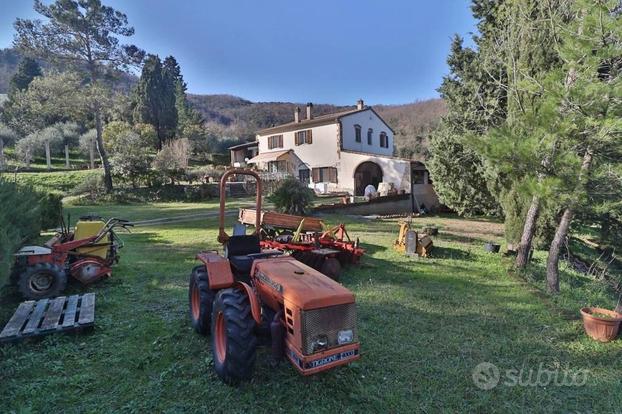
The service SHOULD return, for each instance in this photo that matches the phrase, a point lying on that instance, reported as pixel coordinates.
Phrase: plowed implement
(251, 296)
(307, 238)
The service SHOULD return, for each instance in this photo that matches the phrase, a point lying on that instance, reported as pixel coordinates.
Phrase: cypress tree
(155, 99)
(27, 70)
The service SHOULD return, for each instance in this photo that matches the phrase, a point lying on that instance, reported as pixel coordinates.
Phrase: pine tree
(27, 70)
(589, 88)
(523, 148)
(476, 102)
(83, 35)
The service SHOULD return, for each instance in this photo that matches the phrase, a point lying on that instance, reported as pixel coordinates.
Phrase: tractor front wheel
(200, 299)
(233, 340)
(43, 280)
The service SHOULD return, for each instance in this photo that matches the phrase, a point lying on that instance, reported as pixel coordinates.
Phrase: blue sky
(281, 50)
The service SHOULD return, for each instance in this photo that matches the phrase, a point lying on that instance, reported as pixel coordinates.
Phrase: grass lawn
(424, 325)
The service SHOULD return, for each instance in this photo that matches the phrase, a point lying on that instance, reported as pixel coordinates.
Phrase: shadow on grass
(450, 253)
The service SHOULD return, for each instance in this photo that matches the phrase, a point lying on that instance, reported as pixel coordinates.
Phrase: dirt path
(182, 218)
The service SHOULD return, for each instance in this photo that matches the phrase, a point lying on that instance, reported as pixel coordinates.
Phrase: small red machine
(250, 296)
(87, 254)
(307, 239)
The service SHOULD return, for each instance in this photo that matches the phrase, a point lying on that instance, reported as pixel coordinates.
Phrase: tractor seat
(238, 250)
(242, 263)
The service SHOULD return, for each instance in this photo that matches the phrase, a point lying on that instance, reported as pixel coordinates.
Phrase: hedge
(23, 214)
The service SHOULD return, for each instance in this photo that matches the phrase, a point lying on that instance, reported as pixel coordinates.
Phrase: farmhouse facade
(340, 152)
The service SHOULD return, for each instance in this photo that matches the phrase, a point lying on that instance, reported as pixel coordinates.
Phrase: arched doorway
(366, 173)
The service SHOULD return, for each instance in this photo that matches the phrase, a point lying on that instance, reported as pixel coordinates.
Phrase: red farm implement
(85, 253)
(307, 239)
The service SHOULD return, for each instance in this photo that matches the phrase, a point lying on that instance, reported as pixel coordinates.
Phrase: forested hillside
(235, 117)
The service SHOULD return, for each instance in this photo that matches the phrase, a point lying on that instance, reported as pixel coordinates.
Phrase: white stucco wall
(394, 170)
(323, 152)
(366, 119)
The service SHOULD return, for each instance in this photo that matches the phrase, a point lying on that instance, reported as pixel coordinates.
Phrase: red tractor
(87, 254)
(249, 297)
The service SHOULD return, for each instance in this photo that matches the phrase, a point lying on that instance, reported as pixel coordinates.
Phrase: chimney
(297, 114)
(309, 110)
(360, 104)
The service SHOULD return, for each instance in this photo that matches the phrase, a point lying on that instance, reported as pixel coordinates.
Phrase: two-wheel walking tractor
(85, 253)
(250, 297)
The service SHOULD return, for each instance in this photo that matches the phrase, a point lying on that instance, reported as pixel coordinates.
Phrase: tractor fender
(218, 270)
(252, 297)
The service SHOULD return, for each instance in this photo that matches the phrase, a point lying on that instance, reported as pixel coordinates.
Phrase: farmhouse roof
(308, 123)
(245, 145)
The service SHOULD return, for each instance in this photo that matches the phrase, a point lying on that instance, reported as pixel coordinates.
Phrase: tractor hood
(300, 284)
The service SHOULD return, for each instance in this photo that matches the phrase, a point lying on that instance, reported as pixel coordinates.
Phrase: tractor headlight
(320, 342)
(345, 337)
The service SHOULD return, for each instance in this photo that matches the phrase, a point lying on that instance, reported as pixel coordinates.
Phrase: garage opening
(365, 174)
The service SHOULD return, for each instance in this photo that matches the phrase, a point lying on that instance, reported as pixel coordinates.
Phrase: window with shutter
(357, 133)
(370, 133)
(324, 175)
(309, 137)
(275, 141)
(299, 137)
(316, 175)
(384, 140)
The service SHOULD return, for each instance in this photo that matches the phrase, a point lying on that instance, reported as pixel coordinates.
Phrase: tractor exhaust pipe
(277, 333)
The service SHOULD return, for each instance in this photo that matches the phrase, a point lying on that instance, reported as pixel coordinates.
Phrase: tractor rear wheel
(43, 280)
(233, 340)
(331, 268)
(200, 299)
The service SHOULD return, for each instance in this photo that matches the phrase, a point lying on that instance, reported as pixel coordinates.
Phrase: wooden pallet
(46, 316)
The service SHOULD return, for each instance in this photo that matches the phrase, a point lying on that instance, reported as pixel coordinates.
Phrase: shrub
(91, 188)
(36, 210)
(172, 160)
(131, 159)
(292, 197)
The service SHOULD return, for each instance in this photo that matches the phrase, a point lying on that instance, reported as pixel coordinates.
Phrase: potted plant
(601, 324)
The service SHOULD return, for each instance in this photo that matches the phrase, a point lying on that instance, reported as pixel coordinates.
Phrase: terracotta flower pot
(599, 328)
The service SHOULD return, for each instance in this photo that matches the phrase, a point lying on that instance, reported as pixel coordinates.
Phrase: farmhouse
(340, 152)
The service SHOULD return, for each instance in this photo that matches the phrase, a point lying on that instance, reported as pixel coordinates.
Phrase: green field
(424, 325)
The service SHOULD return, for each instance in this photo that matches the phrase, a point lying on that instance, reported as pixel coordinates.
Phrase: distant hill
(10, 58)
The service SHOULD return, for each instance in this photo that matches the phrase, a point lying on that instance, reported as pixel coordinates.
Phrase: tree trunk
(160, 139)
(552, 262)
(48, 158)
(67, 156)
(102, 151)
(605, 228)
(1, 154)
(92, 154)
(529, 230)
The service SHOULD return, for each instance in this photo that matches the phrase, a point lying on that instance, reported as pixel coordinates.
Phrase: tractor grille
(324, 324)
